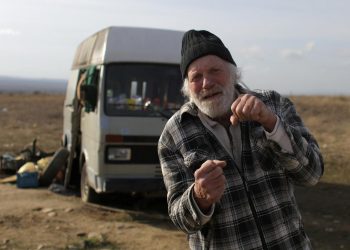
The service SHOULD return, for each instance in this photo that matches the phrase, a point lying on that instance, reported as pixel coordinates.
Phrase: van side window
(87, 90)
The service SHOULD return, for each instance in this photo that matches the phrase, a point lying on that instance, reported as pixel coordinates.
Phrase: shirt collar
(206, 119)
(191, 109)
(188, 108)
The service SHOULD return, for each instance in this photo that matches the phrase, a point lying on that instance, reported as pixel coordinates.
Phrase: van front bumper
(128, 185)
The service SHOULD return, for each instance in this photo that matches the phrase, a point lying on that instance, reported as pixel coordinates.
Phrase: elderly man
(230, 157)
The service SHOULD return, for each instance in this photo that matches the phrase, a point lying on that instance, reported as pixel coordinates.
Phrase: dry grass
(329, 118)
(24, 117)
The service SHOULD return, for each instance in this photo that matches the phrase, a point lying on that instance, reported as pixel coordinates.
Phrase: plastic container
(28, 180)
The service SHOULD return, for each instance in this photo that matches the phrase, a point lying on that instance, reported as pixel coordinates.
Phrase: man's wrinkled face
(211, 85)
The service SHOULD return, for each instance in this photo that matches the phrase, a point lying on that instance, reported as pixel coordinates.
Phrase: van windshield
(142, 89)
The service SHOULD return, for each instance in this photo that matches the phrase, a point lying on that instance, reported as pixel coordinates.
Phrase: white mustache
(207, 93)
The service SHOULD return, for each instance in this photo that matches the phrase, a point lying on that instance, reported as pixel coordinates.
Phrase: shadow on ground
(325, 209)
(326, 213)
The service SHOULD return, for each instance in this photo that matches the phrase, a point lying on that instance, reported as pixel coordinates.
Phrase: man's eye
(195, 78)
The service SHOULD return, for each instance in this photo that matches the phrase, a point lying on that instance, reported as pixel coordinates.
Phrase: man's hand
(209, 184)
(250, 108)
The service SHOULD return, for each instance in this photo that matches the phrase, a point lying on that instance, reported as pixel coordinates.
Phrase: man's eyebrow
(194, 73)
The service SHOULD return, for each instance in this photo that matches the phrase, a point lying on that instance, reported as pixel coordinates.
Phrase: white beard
(216, 107)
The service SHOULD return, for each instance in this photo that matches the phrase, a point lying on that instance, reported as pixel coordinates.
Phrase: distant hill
(17, 84)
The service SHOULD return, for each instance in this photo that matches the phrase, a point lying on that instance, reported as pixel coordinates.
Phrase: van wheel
(87, 193)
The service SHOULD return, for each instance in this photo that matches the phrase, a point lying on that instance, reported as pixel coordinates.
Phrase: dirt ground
(41, 219)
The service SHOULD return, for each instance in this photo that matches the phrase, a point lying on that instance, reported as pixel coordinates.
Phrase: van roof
(129, 44)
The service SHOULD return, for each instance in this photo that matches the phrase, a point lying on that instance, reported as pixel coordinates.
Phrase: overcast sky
(294, 47)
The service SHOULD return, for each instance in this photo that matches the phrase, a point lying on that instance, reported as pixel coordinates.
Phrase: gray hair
(236, 76)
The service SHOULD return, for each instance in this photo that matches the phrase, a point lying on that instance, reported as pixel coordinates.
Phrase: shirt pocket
(194, 159)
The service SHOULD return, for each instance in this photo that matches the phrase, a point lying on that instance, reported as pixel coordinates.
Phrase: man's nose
(207, 82)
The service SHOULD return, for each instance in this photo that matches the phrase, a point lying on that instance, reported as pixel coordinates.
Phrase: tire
(57, 162)
(87, 193)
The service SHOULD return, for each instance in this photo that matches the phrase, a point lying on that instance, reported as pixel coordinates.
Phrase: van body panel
(68, 107)
(131, 126)
(113, 45)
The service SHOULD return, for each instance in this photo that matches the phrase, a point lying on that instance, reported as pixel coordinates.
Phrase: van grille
(158, 172)
(140, 154)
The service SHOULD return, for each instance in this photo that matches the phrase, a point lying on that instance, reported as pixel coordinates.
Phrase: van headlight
(118, 154)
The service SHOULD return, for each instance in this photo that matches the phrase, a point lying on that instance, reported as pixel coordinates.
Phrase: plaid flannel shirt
(258, 209)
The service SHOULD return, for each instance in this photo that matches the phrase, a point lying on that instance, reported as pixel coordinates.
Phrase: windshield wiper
(165, 114)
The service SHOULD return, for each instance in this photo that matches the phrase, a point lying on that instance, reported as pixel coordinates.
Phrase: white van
(124, 85)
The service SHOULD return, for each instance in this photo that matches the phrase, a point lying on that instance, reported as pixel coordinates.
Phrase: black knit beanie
(200, 43)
